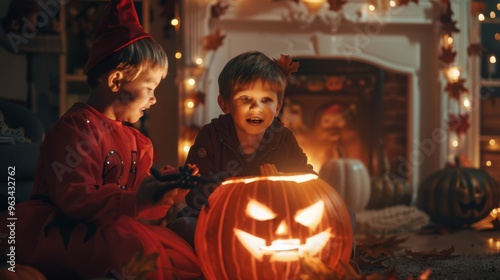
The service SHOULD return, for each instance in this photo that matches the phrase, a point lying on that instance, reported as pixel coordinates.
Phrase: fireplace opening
(349, 109)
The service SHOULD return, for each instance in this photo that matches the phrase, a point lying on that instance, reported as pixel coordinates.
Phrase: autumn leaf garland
(458, 123)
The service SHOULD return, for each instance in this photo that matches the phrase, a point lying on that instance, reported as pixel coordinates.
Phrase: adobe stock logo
(29, 26)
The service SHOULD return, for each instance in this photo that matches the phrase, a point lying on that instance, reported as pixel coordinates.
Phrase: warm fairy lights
(174, 22)
(198, 61)
(178, 55)
(480, 17)
(492, 64)
(453, 74)
(488, 163)
(190, 104)
(492, 142)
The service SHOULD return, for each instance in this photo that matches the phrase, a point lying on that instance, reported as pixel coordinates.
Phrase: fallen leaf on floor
(375, 247)
(433, 254)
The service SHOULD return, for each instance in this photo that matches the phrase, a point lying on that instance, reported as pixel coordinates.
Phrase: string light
(453, 74)
(198, 61)
(186, 148)
(466, 102)
(392, 3)
(492, 14)
(178, 55)
(190, 104)
(371, 8)
(174, 22)
(497, 36)
(488, 163)
(493, 59)
(455, 143)
(191, 82)
(480, 17)
(492, 142)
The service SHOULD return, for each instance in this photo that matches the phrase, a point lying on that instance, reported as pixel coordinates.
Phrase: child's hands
(268, 169)
(149, 188)
(163, 186)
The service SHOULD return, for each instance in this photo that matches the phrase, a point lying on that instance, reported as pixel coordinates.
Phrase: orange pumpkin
(260, 227)
(22, 272)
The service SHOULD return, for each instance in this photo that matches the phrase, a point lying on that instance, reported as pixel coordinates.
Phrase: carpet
(467, 267)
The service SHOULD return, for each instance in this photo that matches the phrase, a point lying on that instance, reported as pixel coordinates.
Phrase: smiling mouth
(255, 120)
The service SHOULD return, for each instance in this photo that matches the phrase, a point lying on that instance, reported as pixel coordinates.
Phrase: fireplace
(347, 109)
(373, 76)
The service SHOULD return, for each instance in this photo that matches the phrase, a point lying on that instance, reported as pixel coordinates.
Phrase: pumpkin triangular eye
(259, 211)
(311, 216)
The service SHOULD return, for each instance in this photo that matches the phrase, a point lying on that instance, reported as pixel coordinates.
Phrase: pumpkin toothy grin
(282, 250)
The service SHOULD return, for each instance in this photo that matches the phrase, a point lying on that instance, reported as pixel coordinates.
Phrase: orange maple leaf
(447, 55)
(213, 41)
(287, 65)
(456, 88)
(336, 5)
(459, 123)
(218, 9)
(375, 247)
(475, 49)
(433, 254)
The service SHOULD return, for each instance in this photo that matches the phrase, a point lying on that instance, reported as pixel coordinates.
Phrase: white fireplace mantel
(404, 40)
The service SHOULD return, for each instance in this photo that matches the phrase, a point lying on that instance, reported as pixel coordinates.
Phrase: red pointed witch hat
(119, 28)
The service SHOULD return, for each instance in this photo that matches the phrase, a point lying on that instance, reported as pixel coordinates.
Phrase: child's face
(253, 110)
(138, 95)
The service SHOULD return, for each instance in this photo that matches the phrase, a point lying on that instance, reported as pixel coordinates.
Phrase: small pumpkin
(456, 196)
(350, 178)
(22, 272)
(388, 189)
(260, 227)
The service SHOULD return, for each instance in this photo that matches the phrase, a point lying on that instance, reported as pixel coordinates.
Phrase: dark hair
(243, 70)
(132, 59)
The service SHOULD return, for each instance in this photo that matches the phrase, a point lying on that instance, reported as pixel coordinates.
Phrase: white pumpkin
(351, 180)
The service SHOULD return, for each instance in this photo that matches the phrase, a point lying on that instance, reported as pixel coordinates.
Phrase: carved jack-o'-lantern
(456, 196)
(260, 227)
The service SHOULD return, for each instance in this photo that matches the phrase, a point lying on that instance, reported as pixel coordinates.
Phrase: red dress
(82, 219)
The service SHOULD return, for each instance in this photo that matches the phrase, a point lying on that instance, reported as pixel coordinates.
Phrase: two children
(93, 186)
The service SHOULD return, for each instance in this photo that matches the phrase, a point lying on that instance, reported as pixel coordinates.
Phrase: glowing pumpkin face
(259, 227)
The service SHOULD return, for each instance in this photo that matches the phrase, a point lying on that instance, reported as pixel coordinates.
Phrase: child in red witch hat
(93, 187)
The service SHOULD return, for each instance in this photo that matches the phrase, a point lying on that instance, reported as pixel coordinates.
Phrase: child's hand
(148, 190)
(163, 186)
(268, 169)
